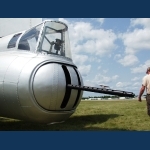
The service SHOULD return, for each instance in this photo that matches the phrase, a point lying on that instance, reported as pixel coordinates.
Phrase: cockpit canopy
(50, 37)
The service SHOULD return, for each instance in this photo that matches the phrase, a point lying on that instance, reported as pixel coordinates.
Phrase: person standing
(146, 85)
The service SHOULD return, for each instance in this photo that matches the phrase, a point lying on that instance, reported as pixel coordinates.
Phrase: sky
(110, 51)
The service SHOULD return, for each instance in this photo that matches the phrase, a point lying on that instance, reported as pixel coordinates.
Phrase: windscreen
(55, 39)
(29, 40)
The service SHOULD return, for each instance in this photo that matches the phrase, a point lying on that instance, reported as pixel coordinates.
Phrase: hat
(148, 69)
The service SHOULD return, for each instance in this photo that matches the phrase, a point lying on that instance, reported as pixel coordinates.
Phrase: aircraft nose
(49, 87)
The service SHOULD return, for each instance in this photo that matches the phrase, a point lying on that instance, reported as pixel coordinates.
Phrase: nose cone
(49, 86)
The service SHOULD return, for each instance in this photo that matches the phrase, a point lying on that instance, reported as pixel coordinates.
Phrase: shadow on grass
(74, 123)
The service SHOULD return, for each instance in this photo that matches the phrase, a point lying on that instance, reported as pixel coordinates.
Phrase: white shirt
(146, 83)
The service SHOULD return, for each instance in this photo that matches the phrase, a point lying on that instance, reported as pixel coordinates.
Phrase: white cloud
(135, 79)
(119, 84)
(99, 46)
(109, 56)
(137, 84)
(139, 38)
(79, 59)
(102, 79)
(85, 38)
(128, 86)
(100, 20)
(141, 68)
(105, 71)
(128, 60)
(99, 68)
(63, 20)
(141, 21)
(117, 56)
(136, 40)
(94, 59)
(90, 83)
(84, 69)
(115, 77)
(122, 84)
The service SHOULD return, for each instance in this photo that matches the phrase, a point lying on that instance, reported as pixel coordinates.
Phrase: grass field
(123, 115)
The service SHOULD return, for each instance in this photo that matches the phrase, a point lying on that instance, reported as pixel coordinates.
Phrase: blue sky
(110, 51)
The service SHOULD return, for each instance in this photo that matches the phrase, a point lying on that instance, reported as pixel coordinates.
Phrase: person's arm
(141, 92)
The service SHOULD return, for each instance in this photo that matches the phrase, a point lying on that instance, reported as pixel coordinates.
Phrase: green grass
(123, 115)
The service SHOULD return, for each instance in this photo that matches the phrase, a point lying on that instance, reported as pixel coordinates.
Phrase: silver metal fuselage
(33, 86)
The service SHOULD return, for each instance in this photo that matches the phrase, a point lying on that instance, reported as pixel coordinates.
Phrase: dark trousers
(148, 104)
